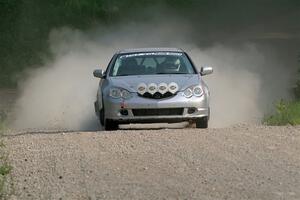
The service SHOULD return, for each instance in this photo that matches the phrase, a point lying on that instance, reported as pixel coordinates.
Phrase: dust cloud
(60, 94)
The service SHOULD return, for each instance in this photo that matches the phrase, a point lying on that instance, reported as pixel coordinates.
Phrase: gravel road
(240, 162)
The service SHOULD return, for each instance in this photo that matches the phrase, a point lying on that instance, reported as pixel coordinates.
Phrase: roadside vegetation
(287, 112)
(3, 117)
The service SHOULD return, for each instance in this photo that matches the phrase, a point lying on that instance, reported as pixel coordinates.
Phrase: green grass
(287, 113)
(2, 127)
(5, 170)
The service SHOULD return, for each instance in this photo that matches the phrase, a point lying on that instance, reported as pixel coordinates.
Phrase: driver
(170, 65)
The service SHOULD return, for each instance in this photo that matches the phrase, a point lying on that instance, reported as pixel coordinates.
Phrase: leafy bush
(286, 113)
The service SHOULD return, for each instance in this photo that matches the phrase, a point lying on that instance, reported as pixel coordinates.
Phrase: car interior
(151, 65)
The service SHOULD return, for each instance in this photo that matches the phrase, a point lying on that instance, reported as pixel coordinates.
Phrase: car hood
(131, 82)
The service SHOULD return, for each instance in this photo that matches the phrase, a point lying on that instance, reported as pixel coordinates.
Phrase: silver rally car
(152, 85)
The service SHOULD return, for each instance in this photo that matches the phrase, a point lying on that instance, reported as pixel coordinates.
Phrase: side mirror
(99, 73)
(206, 70)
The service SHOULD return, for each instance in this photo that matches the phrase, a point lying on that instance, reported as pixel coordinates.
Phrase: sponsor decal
(151, 54)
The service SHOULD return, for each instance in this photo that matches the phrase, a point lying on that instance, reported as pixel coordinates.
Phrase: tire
(101, 117)
(96, 108)
(110, 125)
(202, 122)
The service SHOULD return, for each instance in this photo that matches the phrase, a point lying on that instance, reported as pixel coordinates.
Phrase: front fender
(99, 95)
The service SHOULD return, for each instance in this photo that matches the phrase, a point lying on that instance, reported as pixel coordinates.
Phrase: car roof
(144, 50)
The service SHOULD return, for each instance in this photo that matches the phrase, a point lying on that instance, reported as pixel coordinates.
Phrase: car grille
(157, 112)
(157, 95)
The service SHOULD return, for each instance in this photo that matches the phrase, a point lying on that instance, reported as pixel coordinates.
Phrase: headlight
(193, 90)
(115, 93)
(125, 94)
(119, 93)
(197, 91)
(188, 93)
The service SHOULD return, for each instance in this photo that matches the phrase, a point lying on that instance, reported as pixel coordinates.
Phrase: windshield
(152, 63)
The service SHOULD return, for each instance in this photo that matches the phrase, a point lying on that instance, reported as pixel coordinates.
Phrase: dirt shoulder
(244, 162)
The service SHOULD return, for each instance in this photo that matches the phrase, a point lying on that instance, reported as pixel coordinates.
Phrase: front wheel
(202, 122)
(102, 117)
(109, 124)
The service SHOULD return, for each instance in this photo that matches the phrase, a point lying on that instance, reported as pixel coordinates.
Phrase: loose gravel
(240, 162)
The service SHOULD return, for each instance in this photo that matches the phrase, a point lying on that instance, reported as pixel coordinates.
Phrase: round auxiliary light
(142, 88)
(152, 88)
(173, 87)
(163, 88)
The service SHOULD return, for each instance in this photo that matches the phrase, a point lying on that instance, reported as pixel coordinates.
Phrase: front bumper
(114, 107)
